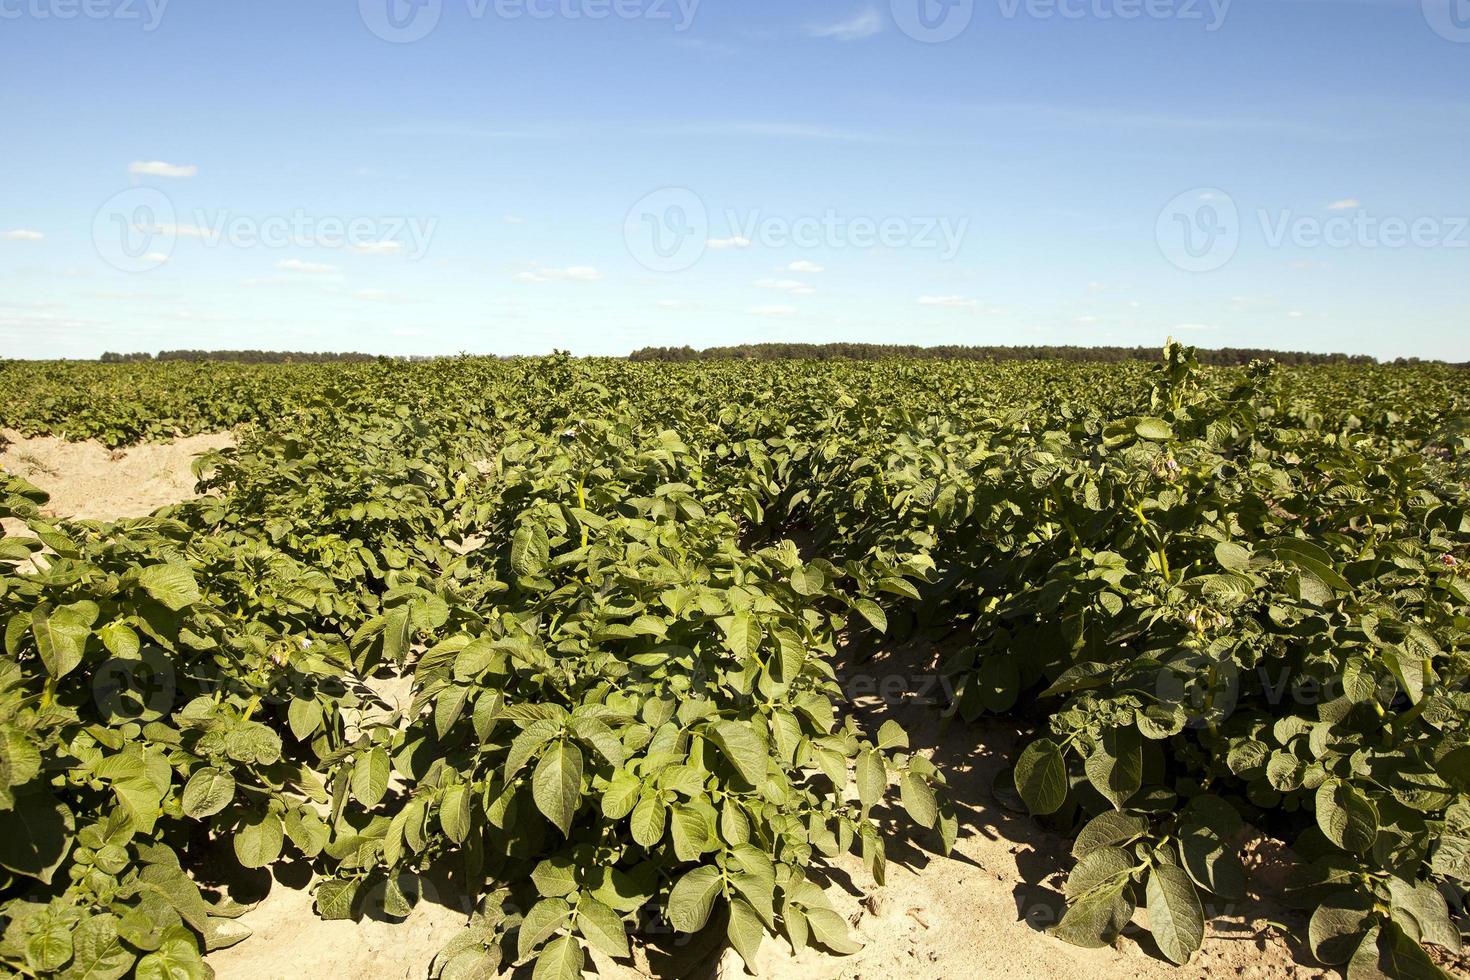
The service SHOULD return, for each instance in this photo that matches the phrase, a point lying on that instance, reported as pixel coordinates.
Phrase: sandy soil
(979, 913)
(91, 482)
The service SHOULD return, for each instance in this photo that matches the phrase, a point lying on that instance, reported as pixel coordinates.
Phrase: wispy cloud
(786, 286)
(312, 268)
(724, 243)
(803, 266)
(21, 235)
(950, 302)
(575, 273)
(1346, 204)
(157, 168)
(767, 129)
(859, 27)
(379, 248)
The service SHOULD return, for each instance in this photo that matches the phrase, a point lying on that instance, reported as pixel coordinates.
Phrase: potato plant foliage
(618, 596)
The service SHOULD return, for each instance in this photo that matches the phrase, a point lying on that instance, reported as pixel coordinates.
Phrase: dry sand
(90, 482)
(975, 915)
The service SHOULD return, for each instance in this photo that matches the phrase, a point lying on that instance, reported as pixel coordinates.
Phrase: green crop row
(618, 594)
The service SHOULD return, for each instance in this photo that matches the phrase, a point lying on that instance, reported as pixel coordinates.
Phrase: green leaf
(743, 747)
(830, 929)
(602, 927)
(1233, 557)
(50, 947)
(208, 792)
(560, 960)
(1346, 816)
(743, 634)
(541, 923)
(258, 843)
(1212, 866)
(1041, 777)
(1115, 767)
(454, 812)
(98, 953)
(873, 613)
(555, 877)
(35, 835)
(745, 931)
(171, 585)
(693, 898)
(918, 799)
(1175, 916)
(892, 736)
(872, 778)
(621, 795)
(1098, 919)
(557, 785)
(177, 958)
(1108, 828)
(304, 715)
(530, 551)
(61, 638)
(370, 776)
(1156, 430)
(648, 820)
(1338, 926)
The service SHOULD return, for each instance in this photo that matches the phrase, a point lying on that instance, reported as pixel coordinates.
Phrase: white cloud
(950, 302)
(21, 235)
(1295, 314)
(314, 268)
(155, 258)
(1192, 327)
(802, 265)
(723, 243)
(859, 27)
(775, 312)
(1084, 320)
(514, 219)
(176, 231)
(157, 168)
(669, 304)
(379, 248)
(575, 273)
(786, 286)
(1346, 204)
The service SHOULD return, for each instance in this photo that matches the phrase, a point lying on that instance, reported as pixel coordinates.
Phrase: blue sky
(601, 175)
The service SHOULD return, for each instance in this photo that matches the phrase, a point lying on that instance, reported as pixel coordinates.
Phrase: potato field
(619, 596)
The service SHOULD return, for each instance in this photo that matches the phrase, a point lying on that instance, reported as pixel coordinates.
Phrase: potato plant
(615, 597)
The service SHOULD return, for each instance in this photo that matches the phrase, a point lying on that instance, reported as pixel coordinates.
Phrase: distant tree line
(871, 352)
(237, 356)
